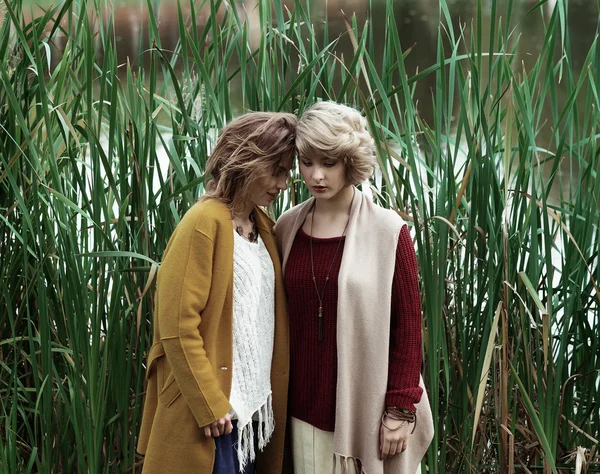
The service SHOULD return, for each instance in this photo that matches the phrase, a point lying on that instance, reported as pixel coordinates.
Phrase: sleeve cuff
(405, 398)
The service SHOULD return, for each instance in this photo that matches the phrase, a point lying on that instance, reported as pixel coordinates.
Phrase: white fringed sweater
(253, 336)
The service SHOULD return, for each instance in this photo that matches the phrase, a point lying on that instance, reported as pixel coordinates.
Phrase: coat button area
(224, 367)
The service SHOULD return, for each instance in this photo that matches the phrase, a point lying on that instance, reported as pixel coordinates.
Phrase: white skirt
(312, 449)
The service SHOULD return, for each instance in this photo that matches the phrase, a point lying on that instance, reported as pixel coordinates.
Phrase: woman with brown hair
(218, 369)
(350, 271)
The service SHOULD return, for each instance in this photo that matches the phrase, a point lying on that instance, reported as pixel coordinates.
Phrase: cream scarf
(363, 331)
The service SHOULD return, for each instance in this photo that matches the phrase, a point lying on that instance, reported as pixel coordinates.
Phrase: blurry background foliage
(486, 117)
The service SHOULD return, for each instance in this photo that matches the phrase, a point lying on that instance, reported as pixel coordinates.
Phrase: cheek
(270, 184)
(341, 174)
(304, 172)
(259, 188)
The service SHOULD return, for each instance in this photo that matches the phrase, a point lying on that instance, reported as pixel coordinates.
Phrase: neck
(243, 214)
(338, 203)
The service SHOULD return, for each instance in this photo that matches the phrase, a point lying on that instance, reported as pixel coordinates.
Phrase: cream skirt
(312, 449)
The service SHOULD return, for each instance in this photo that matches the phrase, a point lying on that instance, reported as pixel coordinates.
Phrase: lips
(272, 196)
(319, 189)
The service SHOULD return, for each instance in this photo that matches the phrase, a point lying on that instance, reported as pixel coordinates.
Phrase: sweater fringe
(266, 425)
(345, 462)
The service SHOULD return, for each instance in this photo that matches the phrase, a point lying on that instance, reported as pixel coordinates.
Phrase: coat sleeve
(184, 284)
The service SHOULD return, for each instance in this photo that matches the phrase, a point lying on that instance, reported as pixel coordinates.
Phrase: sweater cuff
(405, 398)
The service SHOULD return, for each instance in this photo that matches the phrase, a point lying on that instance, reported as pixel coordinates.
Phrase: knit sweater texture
(314, 363)
(253, 331)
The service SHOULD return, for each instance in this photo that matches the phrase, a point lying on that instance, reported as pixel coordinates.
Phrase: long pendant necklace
(321, 296)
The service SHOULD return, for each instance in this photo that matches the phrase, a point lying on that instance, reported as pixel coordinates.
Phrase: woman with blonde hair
(218, 369)
(351, 277)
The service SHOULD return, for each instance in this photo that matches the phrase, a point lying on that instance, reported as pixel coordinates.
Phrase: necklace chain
(253, 234)
(320, 295)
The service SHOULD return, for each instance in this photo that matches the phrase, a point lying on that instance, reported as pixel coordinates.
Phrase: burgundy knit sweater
(313, 363)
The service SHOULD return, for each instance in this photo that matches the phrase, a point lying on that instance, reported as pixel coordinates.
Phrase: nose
(318, 174)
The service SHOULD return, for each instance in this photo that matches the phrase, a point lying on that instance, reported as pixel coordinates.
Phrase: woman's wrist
(399, 414)
(400, 411)
(404, 398)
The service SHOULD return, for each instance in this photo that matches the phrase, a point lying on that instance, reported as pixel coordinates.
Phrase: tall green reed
(99, 160)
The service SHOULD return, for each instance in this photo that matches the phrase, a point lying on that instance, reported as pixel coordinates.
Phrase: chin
(326, 195)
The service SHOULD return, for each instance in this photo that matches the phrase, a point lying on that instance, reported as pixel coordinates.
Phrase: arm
(405, 347)
(405, 329)
(184, 285)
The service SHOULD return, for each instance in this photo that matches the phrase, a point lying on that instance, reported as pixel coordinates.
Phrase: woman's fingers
(228, 427)
(394, 448)
(385, 448)
(393, 442)
(384, 444)
(223, 426)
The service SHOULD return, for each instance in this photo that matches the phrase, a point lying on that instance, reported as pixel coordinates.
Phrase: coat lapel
(265, 229)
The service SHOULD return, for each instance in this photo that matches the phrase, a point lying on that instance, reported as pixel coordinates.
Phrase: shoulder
(206, 216)
(383, 220)
(289, 216)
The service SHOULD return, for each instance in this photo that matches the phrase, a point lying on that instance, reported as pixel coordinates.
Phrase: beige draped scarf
(363, 333)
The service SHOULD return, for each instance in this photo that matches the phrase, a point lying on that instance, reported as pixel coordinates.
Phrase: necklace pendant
(320, 330)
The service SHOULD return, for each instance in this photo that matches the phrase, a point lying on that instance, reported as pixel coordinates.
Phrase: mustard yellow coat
(189, 364)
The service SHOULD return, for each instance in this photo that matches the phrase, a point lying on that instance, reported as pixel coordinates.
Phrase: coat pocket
(170, 392)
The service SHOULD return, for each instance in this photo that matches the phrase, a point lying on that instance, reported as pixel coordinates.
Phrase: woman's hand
(220, 427)
(393, 437)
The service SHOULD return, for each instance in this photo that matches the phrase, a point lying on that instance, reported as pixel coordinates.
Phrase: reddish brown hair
(249, 149)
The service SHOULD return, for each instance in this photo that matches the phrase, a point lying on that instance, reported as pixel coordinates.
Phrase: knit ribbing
(253, 334)
(313, 364)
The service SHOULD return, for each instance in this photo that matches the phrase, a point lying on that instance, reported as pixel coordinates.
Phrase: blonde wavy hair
(329, 129)
(249, 149)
